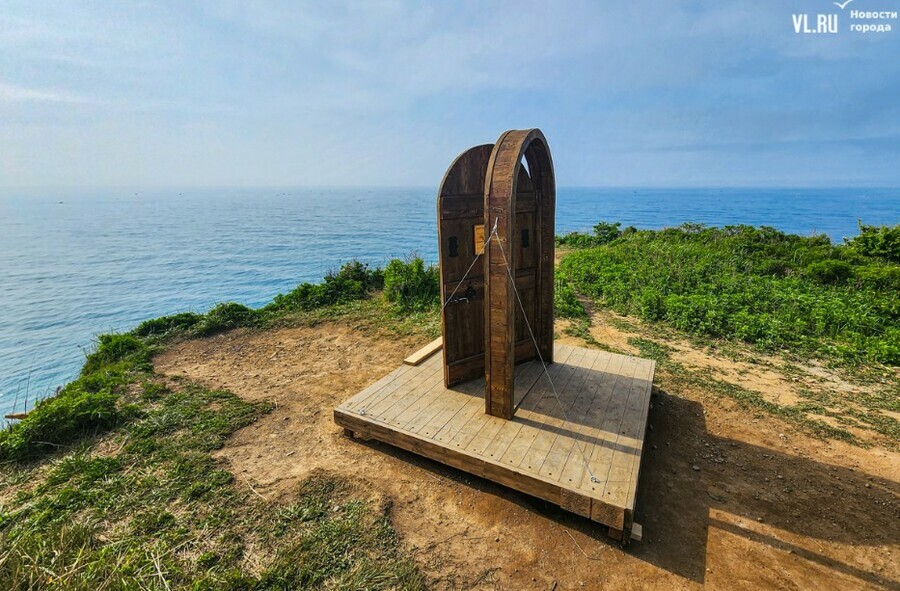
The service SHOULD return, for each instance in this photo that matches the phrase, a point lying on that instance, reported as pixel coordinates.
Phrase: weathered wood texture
(524, 243)
(485, 184)
(539, 451)
(425, 352)
(460, 209)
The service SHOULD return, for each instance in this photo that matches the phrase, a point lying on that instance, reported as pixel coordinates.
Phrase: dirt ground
(769, 507)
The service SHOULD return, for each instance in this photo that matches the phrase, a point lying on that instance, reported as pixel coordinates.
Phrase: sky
(387, 93)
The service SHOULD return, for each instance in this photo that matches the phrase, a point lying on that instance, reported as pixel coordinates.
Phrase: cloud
(388, 91)
(10, 93)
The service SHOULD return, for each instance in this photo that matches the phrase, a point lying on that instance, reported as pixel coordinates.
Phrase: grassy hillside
(757, 285)
(112, 484)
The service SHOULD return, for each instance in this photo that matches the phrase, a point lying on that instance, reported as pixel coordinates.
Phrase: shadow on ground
(738, 488)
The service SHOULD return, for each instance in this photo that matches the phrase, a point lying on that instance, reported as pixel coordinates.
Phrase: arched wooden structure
(485, 185)
(523, 205)
(572, 432)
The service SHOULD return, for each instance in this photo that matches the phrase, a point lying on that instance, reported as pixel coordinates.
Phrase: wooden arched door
(461, 234)
(485, 185)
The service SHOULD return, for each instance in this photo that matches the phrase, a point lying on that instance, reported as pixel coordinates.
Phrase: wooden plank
(473, 405)
(393, 392)
(647, 387)
(526, 376)
(637, 532)
(518, 449)
(556, 419)
(425, 352)
(510, 431)
(456, 432)
(525, 483)
(402, 378)
(617, 485)
(360, 399)
(421, 407)
(595, 438)
(605, 451)
(486, 426)
(575, 502)
(395, 403)
(432, 404)
(607, 514)
(584, 436)
(606, 397)
(546, 409)
(565, 441)
(456, 401)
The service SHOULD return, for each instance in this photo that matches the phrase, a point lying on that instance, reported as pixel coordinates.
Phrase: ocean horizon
(78, 263)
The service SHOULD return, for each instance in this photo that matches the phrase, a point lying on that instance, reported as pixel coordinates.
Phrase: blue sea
(74, 264)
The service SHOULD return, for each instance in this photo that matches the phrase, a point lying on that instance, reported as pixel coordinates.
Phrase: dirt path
(727, 500)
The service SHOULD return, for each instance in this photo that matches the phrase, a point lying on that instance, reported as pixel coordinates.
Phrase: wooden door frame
(500, 297)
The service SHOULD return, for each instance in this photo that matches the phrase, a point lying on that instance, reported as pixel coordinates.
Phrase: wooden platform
(543, 451)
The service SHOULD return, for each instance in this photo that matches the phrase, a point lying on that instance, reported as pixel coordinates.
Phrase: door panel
(524, 241)
(460, 210)
(461, 202)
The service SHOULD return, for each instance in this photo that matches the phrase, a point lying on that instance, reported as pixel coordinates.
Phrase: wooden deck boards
(581, 451)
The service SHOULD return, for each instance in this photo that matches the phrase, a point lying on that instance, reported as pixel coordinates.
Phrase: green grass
(411, 285)
(407, 291)
(111, 484)
(157, 512)
(755, 285)
(677, 377)
(87, 406)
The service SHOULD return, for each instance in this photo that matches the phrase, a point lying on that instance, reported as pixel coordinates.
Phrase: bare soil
(769, 507)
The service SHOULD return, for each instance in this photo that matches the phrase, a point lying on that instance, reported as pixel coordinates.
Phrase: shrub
(353, 281)
(604, 233)
(113, 348)
(576, 240)
(225, 317)
(305, 296)
(167, 324)
(830, 271)
(356, 274)
(759, 285)
(878, 241)
(411, 285)
(607, 232)
(58, 420)
(565, 301)
(879, 277)
(886, 349)
(652, 305)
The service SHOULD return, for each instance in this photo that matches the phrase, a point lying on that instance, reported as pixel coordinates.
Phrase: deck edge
(594, 509)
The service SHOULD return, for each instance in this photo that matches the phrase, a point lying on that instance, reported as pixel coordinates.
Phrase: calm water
(73, 265)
